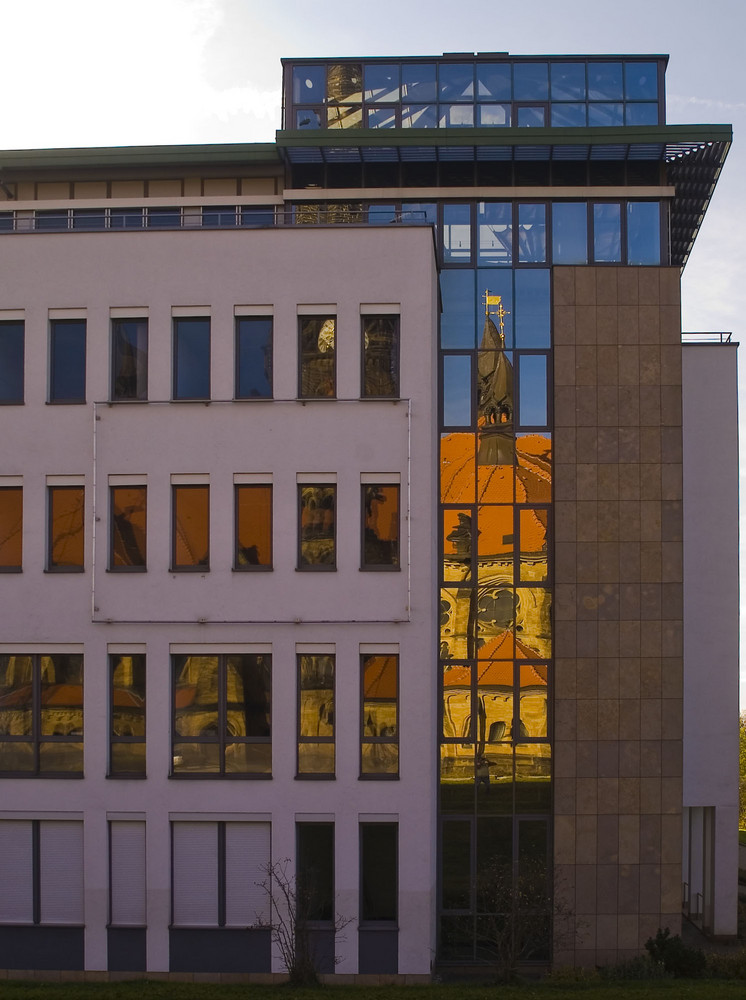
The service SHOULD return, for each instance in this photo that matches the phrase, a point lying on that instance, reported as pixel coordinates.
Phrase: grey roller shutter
(195, 874)
(128, 907)
(61, 872)
(16, 872)
(247, 854)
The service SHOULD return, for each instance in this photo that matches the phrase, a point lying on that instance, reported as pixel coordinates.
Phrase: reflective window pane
(531, 117)
(253, 526)
(569, 233)
(457, 321)
(317, 530)
(196, 696)
(641, 114)
(457, 544)
(11, 528)
(191, 528)
(381, 82)
(253, 357)
(66, 540)
(532, 308)
(380, 356)
(533, 544)
(605, 81)
(11, 361)
(247, 697)
(191, 358)
(317, 377)
(419, 116)
(418, 82)
(457, 391)
(128, 527)
(316, 714)
(530, 81)
(643, 232)
(380, 526)
(532, 392)
(495, 297)
(457, 233)
(307, 118)
(532, 234)
(532, 680)
(456, 81)
(495, 232)
(309, 84)
(605, 115)
(568, 115)
(127, 691)
(379, 871)
(381, 117)
(315, 868)
(568, 81)
(456, 116)
(607, 233)
(379, 749)
(494, 82)
(67, 359)
(344, 83)
(641, 81)
(129, 359)
(16, 699)
(493, 114)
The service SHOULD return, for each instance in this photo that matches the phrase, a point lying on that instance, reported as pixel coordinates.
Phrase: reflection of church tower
(495, 391)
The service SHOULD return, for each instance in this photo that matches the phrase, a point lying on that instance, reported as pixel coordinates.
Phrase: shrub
(678, 959)
(639, 967)
(724, 966)
(573, 975)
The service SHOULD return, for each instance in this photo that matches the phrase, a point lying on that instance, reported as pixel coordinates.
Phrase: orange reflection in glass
(457, 618)
(11, 527)
(534, 472)
(253, 526)
(533, 699)
(457, 468)
(534, 621)
(457, 713)
(128, 526)
(495, 538)
(495, 695)
(66, 539)
(191, 530)
(533, 543)
(457, 543)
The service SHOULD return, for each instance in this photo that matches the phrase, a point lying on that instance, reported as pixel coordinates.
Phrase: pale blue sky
(92, 72)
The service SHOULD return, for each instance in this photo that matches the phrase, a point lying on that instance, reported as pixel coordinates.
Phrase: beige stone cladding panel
(618, 608)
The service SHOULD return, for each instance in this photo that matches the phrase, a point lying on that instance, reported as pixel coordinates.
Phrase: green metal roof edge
(558, 136)
(482, 57)
(113, 156)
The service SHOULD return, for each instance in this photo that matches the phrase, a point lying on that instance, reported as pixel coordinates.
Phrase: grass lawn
(669, 989)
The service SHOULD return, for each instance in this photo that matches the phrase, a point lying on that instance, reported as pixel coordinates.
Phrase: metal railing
(707, 338)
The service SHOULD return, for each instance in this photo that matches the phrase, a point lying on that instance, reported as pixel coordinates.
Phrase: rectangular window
(607, 232)
(222, 715)
(128, 522)
(643, 232)
(315, 869)
(192, 358)
(127, 691)
(317, 376)
(379, 871)
(379, 729)
(380, 506)
(127, 886)
(129, 359)
(11, 529)
(191, 528)
(380, 356)
(218, 870)
(37, 887)
(66, 539)
(570, 233)
(316, 715)
(11, 361)
(67, 361)
(253, 357)
(41, 715)
(317, 530)
(253, 526)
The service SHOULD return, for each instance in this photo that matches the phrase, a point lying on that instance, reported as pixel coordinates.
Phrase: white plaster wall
(711, 605)
(280, 269)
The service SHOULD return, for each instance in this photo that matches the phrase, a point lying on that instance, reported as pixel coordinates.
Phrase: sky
(140, 72)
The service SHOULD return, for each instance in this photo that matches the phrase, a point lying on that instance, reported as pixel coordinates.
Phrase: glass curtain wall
(495, 598)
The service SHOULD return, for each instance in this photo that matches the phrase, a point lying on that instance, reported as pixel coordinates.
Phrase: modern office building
(363, 515)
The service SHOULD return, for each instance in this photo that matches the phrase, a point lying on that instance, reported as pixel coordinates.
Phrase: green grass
(669, 989)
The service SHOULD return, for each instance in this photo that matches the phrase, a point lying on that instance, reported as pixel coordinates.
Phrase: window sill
(126, 777)
(380, 569)
(65, 402)
(315, 777)
(217, 775)
(65, 569)
(315, 569)
(253, 569)
(11, 569)
(189, 569)
(127, 569)
(378, 777)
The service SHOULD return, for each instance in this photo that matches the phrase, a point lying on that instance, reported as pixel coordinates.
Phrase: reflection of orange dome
(380, 677)
(459, 471)
(495, 673)
(501, 647)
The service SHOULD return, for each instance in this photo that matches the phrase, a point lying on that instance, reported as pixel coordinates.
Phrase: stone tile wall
(618, 609)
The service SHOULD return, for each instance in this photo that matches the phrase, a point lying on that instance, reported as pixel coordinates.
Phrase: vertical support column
(618, 611)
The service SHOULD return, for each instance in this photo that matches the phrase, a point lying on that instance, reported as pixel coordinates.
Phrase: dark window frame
(305, 567)
(395, 360)
(321, 319)
(248, 567)
(175, 396)
(384, 741)
(14, 567)
(367, 922)
(19, 377)
(175, 567)
(315, 740)
(126, 568)
(141, 391)
(221, 739)
(51, 565)
(36, 738)
(383, 567)
(314, 920)
(54, 326)
(123, 740)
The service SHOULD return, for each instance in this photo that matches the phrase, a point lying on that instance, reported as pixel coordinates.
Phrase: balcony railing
(707, 338)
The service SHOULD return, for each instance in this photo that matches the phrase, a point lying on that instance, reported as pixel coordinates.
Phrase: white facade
(711, 642)
(348, 441)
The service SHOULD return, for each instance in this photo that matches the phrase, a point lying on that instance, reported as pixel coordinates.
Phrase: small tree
(291, 914)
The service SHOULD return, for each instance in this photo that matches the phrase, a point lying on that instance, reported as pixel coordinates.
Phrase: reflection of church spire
(495, 389)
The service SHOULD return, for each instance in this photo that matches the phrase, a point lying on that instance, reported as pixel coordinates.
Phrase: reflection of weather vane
(500, 312)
